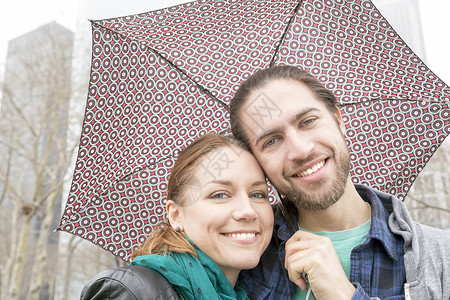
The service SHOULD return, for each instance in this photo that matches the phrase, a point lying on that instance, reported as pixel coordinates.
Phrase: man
(354, 242)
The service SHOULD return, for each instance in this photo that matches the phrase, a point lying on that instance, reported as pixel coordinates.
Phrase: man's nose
(299, 145)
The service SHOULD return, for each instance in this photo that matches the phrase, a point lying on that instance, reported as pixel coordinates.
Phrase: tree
(34, 157)
(429, 199)
(38, 139)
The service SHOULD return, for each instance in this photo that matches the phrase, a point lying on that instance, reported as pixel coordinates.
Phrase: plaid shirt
(377, 267)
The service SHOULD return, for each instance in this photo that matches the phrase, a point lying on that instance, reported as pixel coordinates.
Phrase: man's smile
(311, 170)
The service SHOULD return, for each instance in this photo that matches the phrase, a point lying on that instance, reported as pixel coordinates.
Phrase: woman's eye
(219, 195)
(259, 195)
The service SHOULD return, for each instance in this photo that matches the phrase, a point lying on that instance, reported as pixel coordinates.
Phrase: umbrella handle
(285, 214)
(289, 223)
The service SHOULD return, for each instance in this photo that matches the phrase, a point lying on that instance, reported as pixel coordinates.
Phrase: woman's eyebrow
(262, 182)
(220, 181)
(228, 182)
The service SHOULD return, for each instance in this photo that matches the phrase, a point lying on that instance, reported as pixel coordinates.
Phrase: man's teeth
(241, 235)
(311, 170)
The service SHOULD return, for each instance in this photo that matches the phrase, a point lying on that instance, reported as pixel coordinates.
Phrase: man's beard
(323, 197)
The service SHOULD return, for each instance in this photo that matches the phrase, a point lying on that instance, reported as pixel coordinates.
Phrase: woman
(219, 221)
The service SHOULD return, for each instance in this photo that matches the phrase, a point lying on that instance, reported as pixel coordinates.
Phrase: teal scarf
(193, 278)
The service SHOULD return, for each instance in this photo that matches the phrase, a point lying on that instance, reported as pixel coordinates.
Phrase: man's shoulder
(436, 236)
(431, 264)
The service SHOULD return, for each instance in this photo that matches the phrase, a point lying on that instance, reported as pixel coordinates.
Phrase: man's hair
(261, 79)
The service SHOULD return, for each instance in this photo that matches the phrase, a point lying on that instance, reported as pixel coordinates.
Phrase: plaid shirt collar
(379, 229)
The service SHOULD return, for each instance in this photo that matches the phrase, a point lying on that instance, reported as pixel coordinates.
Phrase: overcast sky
(21, 16)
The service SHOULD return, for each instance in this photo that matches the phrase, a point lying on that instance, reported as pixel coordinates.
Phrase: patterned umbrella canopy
(162, 78)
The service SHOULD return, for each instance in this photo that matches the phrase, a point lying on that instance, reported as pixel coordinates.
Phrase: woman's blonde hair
(164, 238)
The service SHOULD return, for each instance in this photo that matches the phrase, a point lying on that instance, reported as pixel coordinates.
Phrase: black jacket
(130, 282)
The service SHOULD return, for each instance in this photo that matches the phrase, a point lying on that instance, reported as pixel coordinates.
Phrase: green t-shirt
(343, 242)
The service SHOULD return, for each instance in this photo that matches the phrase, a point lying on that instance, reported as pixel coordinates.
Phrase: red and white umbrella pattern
(162, 78)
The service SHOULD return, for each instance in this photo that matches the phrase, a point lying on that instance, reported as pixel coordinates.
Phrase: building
(404, 17)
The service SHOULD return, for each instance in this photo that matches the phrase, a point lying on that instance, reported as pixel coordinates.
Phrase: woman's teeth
(241, 235)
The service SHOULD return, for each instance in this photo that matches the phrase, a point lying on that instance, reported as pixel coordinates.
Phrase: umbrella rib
(393, 99)
(272, 61)
(200, 87)
(223, 132)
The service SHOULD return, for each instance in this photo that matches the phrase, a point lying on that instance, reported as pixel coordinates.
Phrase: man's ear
(174, 214)
(340, 121)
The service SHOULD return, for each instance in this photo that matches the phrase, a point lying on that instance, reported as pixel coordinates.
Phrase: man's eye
(308, 121)
(270, 142)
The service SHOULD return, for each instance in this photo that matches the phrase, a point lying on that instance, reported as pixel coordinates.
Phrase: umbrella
(162, 78)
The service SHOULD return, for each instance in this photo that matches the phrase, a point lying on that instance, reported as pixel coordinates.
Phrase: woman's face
(226, 211)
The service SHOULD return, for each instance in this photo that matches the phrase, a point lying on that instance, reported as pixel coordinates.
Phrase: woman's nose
(244, 209)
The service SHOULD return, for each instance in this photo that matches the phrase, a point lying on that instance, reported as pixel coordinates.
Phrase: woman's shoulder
(130, 282)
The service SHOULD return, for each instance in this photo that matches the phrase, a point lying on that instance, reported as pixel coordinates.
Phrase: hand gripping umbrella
(162, 78)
